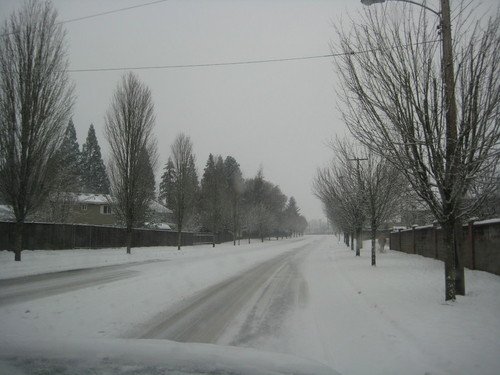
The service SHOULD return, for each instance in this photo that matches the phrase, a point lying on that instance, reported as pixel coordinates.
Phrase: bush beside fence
(481, 244)
(43, 236)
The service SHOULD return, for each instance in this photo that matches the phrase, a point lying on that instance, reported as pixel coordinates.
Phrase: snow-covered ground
(357, 319)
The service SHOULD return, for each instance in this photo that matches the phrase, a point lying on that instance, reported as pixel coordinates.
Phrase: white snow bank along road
(147, 357)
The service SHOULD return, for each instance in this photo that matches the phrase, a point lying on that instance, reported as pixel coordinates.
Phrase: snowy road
(262, 292)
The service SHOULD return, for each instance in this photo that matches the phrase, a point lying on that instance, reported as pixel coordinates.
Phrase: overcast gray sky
(277, 115)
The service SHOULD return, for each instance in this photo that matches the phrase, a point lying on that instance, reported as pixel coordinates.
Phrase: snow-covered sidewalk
(392, 318)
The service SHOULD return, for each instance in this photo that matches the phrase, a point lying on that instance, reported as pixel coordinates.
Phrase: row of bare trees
(359, 188)
(431, 112)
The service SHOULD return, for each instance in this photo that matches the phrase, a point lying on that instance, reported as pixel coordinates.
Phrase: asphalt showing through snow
(27, 288)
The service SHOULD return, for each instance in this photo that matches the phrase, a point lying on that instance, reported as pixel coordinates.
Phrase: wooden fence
(41, 236)
(481, 244)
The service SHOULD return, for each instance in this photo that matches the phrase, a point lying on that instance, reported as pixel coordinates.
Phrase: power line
(101, 14)
(245, 62)
(180, 66)
(203, 64)
(112, 11)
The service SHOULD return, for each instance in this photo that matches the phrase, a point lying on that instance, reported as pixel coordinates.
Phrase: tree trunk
(129, 240)
(358, 242)
(453, 267)
(374, 235)
(179, 238)
(234, 235)
(18, 241)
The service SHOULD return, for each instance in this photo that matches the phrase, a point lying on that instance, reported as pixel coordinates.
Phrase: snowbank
(108, 356)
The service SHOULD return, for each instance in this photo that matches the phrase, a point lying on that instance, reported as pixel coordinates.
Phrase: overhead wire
(104, 13)
(199, 65)
(112, 11)
(245, 62)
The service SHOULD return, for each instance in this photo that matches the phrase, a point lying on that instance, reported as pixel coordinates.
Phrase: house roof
(107, 199)
(158, 207)
(93, 198)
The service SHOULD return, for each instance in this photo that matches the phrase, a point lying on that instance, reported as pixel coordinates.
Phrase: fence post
(414, 239)
(472, 243)
(399, 240)
(435, 237)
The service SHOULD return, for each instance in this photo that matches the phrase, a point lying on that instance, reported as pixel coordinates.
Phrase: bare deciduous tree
(396, 101)
(36, 99)
(129, 131)
(358, 186)
(382, 186)
(185, 184)
(339, 187)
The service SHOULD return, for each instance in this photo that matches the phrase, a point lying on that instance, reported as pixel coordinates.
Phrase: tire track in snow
(26, 288)
(207, 316)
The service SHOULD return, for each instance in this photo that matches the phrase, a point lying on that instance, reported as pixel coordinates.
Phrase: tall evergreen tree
(265, 203)
(60, 206)
(234, 188)
(94, 177)
(212, 189)
(166, 194)
(292, 216)
(193, 196)
(69, 157)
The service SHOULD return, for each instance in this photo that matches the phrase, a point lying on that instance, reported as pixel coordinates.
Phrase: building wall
(93, 215)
